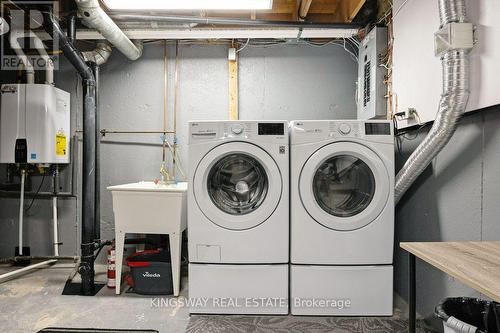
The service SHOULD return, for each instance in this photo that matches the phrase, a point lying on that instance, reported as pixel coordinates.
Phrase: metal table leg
(411, 294)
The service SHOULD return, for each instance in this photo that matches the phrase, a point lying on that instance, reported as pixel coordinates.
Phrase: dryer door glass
(237, 184)
(343, 185)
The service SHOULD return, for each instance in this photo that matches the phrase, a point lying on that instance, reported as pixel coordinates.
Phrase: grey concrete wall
(457, 198)
(279, 82)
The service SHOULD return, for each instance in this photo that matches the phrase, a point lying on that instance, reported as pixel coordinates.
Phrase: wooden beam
(304, 8)
(348, 9)
(324, 6)
(295, 10)
(233, 89)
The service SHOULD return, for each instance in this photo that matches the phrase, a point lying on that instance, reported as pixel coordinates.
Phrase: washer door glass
(237, 184)
(343, 185)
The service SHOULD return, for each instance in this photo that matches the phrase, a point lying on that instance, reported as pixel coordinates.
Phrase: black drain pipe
(97, 218)
(75, 57)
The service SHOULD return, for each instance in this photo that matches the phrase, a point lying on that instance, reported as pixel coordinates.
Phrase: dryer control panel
(312, 131)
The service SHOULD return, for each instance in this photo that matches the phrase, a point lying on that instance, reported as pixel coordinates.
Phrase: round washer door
(344, 186)
(237, 185)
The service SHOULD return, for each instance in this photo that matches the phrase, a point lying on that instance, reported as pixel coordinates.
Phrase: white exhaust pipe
(94, 16)
(30, 70)
(14, 44)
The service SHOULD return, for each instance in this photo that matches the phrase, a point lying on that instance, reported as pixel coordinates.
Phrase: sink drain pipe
(454, 97)
(75, 57)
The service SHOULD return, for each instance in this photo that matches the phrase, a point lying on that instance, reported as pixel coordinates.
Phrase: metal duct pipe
(99, 55)
(75, 57)
(94, 17)
(228, 21)
(455, 69)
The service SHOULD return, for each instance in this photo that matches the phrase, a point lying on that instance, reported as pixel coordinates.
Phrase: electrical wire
(36, 194)
(243, 47)
(396, 12)
(341, 43)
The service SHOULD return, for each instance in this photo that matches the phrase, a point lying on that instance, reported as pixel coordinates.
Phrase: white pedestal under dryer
(342, 217)
(238, 217)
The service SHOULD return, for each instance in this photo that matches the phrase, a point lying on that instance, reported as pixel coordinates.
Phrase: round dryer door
(344, 186)
(237, 185)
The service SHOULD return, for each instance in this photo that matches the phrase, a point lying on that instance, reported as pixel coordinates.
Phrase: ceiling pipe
(94, 16)
(228, 21)
(456, 67)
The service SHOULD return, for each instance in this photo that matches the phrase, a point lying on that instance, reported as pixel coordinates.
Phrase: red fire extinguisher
(111, 268)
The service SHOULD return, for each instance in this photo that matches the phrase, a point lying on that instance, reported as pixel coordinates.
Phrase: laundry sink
(144, 207)
(150, 208)
(151, 187)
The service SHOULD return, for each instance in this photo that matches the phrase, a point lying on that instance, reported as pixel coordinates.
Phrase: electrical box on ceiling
(371, 101)
(34, 124)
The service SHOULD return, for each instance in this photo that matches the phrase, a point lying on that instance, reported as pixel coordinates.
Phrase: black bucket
(151, 271)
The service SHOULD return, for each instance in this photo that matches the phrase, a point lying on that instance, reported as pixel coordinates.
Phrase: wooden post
(233, 88)
(304, 8)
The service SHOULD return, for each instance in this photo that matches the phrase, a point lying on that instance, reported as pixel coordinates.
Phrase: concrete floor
(34, 301)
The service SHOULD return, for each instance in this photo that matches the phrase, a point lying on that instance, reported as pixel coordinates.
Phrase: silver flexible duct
(455, 69)
(94, 16)
(99, 55)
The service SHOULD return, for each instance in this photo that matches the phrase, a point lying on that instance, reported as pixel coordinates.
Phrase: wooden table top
(476, 264)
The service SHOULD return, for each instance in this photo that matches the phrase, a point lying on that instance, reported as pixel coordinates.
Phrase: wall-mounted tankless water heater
(372, 102)
(34, 124)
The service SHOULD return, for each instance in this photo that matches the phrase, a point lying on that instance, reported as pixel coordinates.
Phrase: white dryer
(342, 217)
(238, 215)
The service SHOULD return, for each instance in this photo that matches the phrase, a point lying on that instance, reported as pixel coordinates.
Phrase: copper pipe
(165, 92)
(176, 84)
(105, 131)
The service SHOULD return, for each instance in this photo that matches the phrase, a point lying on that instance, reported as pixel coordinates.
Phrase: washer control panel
(258, 131)
(237, 129)
(344, 128)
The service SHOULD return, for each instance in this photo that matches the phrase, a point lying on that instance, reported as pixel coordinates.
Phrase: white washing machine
(238, 216)
(342, 217)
